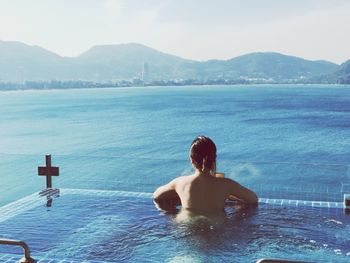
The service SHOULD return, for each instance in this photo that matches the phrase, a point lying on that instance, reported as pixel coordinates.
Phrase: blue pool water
(116, 226)
(287, 141)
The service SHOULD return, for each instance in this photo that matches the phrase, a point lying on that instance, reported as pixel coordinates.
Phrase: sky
(192, 29)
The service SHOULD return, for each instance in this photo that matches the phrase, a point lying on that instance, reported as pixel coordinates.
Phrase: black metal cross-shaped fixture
(48, 171)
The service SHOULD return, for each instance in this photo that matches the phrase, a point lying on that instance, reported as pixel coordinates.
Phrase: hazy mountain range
(21, 62)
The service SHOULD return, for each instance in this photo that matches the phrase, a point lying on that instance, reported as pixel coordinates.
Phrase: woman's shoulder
(184, 178)
(226, 182)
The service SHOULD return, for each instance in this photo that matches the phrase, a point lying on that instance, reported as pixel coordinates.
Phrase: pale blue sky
(195, 29)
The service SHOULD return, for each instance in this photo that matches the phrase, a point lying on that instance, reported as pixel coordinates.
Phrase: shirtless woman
(202, 192)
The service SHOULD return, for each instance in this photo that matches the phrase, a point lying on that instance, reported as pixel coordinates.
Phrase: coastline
(280, 85)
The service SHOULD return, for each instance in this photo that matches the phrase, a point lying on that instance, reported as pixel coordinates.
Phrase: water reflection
(215, 235)
(266, 231)
(50, 195)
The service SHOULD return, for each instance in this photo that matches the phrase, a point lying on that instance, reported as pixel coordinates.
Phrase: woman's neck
(202, 173)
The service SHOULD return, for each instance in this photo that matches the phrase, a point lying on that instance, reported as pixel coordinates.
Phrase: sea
(283, 141)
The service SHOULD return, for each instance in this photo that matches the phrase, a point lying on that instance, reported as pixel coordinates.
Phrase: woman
(202, 192)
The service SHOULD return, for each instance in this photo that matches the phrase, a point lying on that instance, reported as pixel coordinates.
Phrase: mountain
(278, 66)
(343, 74)
(18, 61)
(126, 61)
(105, 63)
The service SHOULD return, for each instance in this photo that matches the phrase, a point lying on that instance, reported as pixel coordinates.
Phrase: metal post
(347, 203)
(26, 258)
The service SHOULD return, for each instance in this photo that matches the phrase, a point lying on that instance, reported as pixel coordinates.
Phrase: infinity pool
(117, 226)
(286, 142)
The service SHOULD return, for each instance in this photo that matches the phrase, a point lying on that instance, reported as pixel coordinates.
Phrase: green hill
(126, 61)
(104, 63)
(18, 61)
(343, 74)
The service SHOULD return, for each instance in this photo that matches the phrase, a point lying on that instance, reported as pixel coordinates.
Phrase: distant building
(21, 76)
(145, 72)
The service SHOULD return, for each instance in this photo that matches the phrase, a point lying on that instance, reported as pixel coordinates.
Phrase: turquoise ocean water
(281, 140)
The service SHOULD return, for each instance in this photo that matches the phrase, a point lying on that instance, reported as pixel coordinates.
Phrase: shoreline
(280, 85)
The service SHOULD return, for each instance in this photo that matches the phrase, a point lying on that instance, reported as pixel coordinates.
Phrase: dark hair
(203, 153)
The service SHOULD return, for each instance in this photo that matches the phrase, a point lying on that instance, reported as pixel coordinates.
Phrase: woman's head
(203, 154)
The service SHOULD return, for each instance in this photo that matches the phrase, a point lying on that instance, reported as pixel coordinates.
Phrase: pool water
(116, 226)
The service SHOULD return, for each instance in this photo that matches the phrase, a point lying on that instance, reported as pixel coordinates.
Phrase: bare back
(202, 193)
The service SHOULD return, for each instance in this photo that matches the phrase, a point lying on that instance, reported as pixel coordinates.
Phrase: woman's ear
(193, 162)
(191, 159)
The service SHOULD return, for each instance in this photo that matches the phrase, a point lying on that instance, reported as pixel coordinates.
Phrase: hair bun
(203, 153)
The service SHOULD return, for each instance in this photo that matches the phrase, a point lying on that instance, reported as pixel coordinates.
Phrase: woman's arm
(166, 191)
(165, 197)
(239, 192)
